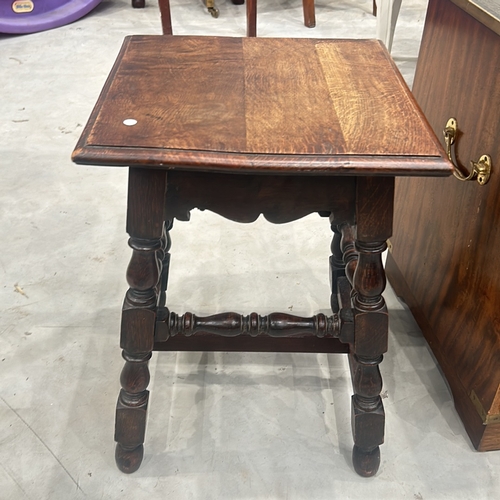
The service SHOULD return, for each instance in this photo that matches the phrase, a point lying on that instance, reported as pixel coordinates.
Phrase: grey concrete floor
(221, 426)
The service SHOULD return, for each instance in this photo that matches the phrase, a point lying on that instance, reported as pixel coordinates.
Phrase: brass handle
(481, 169)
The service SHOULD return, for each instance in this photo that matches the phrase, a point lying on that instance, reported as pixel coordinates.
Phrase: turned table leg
(374, 211)
(149, 248)
(309, 13)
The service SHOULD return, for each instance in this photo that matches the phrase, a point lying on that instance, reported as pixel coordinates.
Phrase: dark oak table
(243, 127)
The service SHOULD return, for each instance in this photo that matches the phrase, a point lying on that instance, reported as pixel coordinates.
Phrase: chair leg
(307, 5)
(374, 8)
(387, 17)
(214, 11)
(251, 17)
(309, 14)
(166, 18)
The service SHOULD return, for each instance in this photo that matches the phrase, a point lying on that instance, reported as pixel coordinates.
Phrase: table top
(259, 105)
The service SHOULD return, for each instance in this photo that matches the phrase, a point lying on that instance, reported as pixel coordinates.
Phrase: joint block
(130, 423)
(137, 329)
(367, 426)
(371, 333)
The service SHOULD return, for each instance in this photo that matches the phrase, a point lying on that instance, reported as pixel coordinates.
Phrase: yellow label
(23, 6)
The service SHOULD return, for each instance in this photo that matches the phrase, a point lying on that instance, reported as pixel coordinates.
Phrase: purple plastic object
(30, 16)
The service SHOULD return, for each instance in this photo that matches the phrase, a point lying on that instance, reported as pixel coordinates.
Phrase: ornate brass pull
(481, 169)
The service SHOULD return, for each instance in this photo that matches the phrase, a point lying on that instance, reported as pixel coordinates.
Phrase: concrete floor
(221, 426)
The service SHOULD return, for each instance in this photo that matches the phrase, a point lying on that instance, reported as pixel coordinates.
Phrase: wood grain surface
(294, 104)
(445, 261)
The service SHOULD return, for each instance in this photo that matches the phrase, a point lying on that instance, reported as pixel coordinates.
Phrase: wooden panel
(184, 95)
(288, 107)
(243, 198)
(376, 115)
(446, 232)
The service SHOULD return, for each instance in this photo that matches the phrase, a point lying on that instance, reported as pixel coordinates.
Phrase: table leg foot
(131, 414)
(129, 461)
(366, 462)
(368, 416)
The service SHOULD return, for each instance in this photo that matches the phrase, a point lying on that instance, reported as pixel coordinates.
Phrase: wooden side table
(243, 127)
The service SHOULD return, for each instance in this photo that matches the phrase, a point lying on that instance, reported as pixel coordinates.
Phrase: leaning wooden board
(445, 259)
